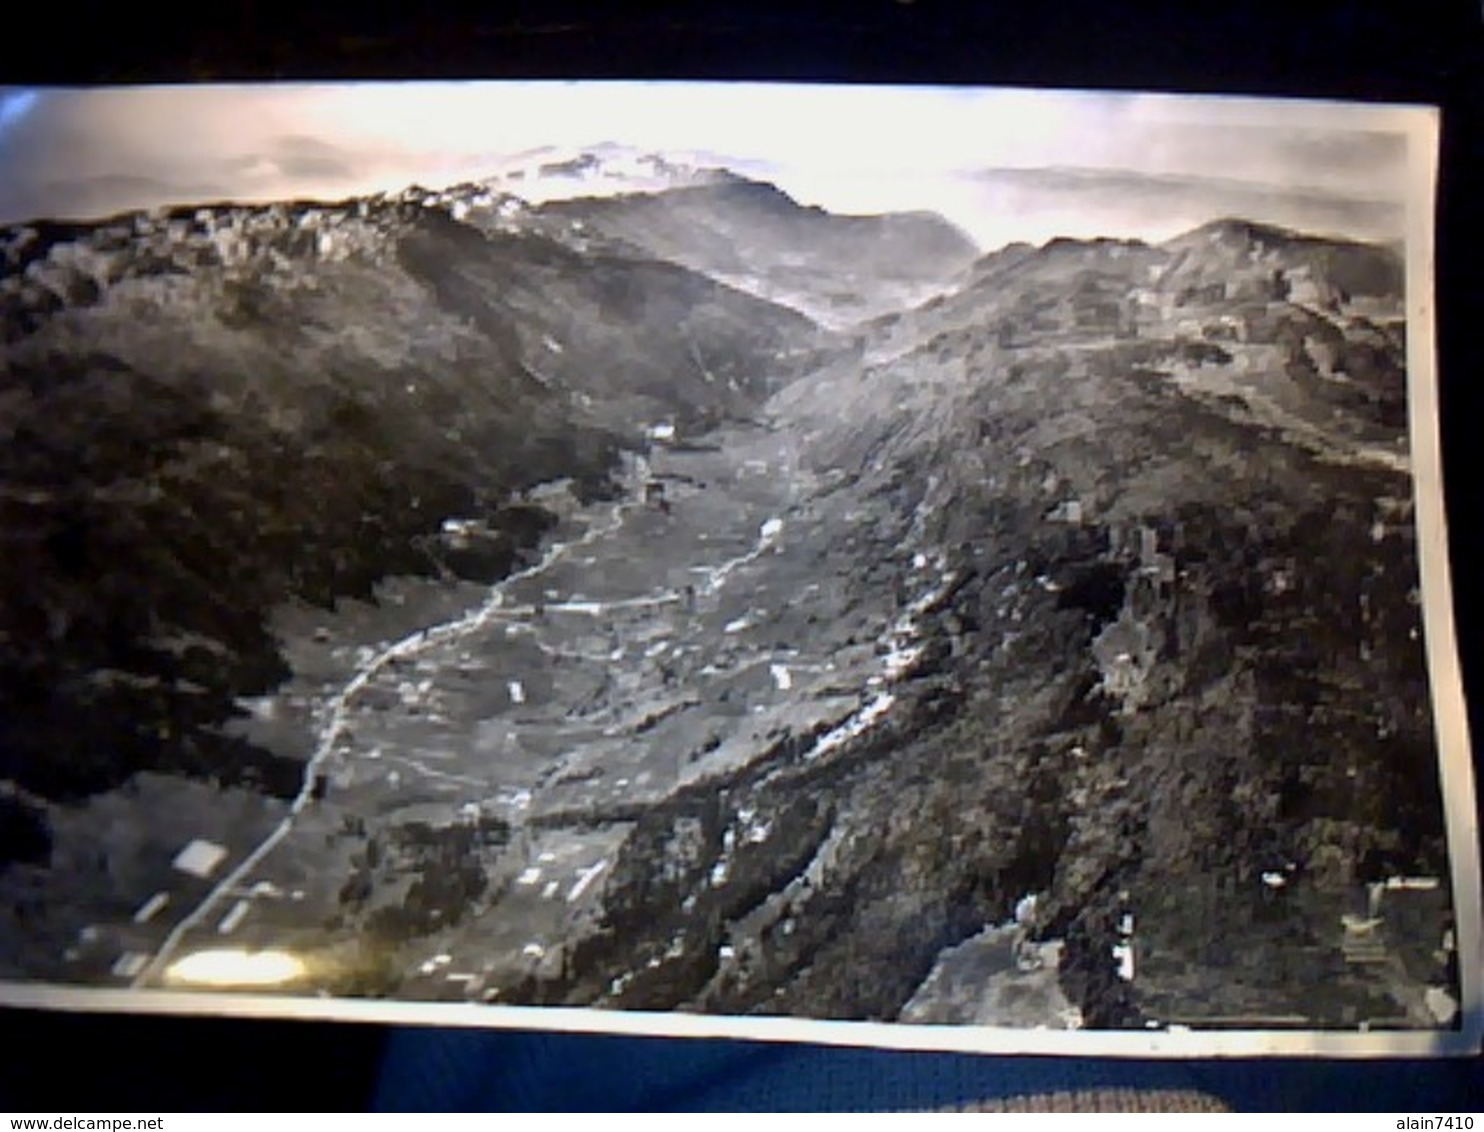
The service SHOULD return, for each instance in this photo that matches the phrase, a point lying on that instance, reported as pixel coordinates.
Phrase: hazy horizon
(1003, 165)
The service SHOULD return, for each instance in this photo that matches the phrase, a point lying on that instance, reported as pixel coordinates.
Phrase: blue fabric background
(462, 1070)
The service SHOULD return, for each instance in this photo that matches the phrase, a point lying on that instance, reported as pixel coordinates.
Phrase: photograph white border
(1420, 124)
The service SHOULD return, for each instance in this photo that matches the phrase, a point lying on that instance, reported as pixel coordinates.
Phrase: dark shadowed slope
(207, 413)
(1183, 680)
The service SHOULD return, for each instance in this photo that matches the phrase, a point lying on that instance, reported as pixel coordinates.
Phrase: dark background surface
(1385, 51)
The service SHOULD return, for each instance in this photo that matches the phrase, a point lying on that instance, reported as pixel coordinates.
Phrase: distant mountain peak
(604, 169)
(1315, 268)
(1241, 228)
(1097, 243)
(1240, 233)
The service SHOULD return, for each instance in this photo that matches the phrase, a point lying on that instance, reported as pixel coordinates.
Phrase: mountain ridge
(1090, 575)
(245, 340)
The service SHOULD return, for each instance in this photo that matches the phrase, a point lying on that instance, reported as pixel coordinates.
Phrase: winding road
(614, 686)
(338, 713)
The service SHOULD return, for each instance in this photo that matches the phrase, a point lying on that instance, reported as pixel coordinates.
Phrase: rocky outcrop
(1229, 738)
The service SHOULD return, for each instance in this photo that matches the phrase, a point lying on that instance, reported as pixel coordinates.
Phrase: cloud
(89, 198)
(315, 159)
(289, 161)
(1156, 207)
(1000, 206)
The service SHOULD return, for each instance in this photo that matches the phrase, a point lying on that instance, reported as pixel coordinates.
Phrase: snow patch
(856, 725)
(129, 964)
(1025, 909)
(584, 879)
(1123, 954)
(1412, 884)
(232, 919)
(151, 907)
(900, 660)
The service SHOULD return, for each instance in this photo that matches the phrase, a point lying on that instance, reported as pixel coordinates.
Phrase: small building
(1125, 654)
(200, 858)
(1148, 545)
(1164, 571)
(1123, 956)
(1226, 328)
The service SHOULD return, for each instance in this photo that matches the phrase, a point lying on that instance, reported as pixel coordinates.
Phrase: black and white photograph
(926, 566)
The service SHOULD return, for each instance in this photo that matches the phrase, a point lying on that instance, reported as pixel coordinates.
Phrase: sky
(1003, 164)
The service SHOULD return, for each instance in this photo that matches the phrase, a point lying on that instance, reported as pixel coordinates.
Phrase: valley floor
(480, 763)
(649, 648)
